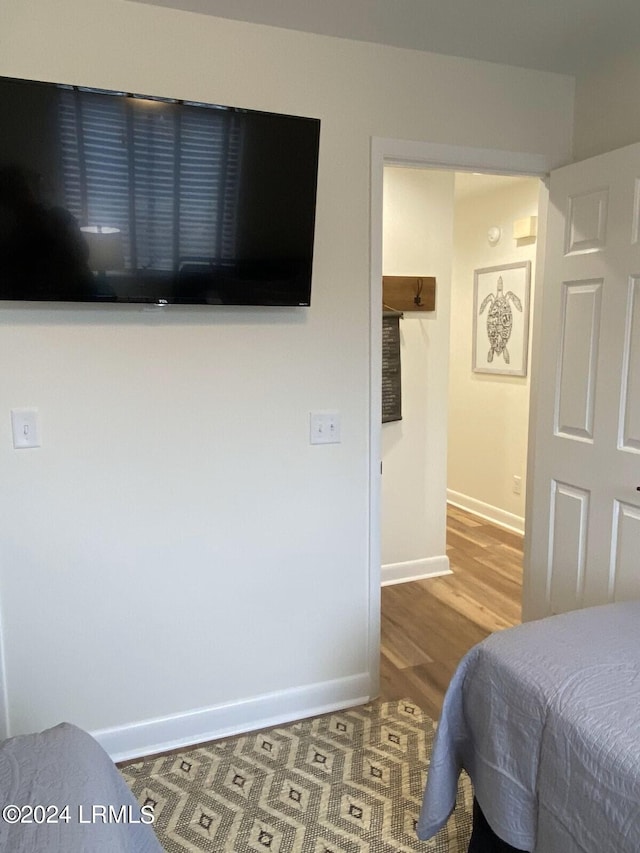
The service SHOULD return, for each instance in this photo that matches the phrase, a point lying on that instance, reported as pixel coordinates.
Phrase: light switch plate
(25, 426)
(324, 428)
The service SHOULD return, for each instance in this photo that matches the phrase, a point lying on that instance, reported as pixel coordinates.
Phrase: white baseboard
(506, 520)
(203, 724)
(415, 570)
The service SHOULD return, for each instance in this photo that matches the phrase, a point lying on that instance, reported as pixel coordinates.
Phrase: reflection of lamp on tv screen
(105, 248)
(105, 254)
(173, 201)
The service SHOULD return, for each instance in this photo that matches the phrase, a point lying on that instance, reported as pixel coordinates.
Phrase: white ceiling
(567, 36)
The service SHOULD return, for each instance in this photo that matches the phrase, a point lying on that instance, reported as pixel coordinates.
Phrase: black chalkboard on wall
(391, 368)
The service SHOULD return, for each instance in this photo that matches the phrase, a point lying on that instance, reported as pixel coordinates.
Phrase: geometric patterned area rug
(346, 782)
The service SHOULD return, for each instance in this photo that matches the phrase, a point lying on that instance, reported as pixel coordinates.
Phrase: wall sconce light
(526, 228)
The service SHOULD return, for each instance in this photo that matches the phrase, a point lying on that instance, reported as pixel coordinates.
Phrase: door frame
(385, 151)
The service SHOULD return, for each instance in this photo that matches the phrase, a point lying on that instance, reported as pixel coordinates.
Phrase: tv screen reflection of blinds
(112, 197)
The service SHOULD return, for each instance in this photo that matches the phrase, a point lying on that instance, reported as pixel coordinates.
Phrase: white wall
(488, 414)
(176, 559)
(418, 240)
(607, 110)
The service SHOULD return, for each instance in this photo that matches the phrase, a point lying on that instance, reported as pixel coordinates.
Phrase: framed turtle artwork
(501, 319)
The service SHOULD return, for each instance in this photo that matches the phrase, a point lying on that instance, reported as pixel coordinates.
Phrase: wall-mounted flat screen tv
(112, 197)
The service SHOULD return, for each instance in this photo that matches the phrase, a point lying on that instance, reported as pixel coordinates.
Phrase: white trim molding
(497, 516)
(149, 737)
(460, 158)
(415, 570)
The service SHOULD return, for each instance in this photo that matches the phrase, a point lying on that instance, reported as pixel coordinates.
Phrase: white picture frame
(501, 319)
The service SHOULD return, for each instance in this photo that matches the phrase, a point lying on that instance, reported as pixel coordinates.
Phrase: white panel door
(583, 532)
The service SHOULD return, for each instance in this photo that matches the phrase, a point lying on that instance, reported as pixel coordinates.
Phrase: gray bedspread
(545, 718)
(65, 767)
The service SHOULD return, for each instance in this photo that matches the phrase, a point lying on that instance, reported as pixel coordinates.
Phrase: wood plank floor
(428, 625)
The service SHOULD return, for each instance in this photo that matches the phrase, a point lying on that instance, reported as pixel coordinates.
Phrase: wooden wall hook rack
(409, 293)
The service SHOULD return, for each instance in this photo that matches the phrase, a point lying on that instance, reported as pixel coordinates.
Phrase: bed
(61, 793)
(545, 718)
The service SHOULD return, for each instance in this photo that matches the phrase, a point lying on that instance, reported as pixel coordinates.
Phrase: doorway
(449, 158)
(460, 228)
